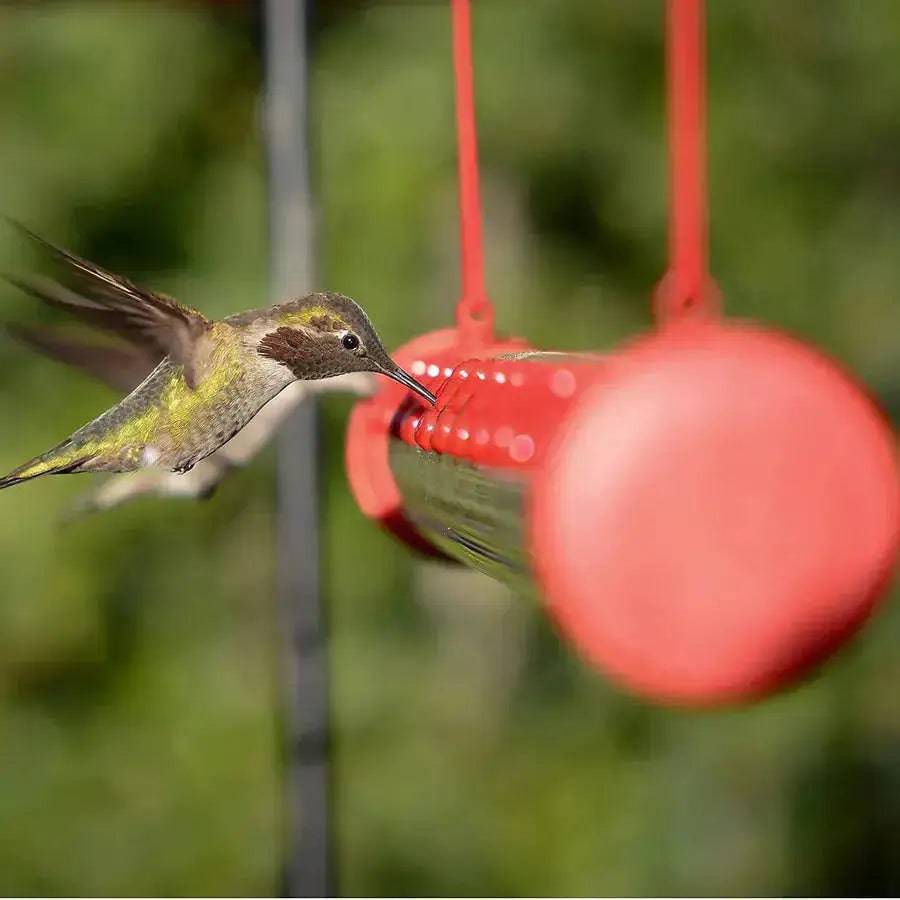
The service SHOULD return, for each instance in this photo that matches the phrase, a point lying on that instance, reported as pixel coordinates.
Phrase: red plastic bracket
(474, 311)
(686, 290)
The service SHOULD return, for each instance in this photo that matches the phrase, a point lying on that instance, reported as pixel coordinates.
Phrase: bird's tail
(58, 461)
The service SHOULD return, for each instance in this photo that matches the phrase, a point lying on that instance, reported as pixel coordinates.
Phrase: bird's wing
(115, 303)
(54, 294)
(121, 366)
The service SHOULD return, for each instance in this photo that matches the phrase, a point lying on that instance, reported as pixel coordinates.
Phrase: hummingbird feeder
(707, 512)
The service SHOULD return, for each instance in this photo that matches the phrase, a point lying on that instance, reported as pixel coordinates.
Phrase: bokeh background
(473, 754)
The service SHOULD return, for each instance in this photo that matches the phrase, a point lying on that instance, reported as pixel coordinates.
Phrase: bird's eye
(349, 341)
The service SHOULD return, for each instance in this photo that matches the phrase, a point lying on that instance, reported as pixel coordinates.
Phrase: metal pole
(307, 870)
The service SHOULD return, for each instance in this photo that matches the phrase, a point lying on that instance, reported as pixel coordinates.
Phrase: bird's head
(326, 334)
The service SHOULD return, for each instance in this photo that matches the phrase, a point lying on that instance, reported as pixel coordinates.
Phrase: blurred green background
(473, 754)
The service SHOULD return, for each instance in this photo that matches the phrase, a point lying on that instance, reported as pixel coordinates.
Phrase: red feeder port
(430, 358)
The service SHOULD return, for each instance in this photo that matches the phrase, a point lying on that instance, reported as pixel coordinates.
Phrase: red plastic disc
(718, 515)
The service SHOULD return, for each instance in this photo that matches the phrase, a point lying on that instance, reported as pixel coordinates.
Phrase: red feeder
(707, 512)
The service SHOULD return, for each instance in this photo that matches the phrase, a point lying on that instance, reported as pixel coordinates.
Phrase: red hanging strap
(686, 288)
(474, 312)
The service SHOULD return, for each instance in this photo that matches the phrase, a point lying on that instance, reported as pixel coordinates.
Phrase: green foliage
(473, 753)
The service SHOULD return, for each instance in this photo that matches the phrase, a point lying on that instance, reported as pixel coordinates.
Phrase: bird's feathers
(50, 463)
(121, 366)
(117, 304)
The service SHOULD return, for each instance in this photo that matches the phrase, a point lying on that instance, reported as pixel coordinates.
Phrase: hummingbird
(210, 378)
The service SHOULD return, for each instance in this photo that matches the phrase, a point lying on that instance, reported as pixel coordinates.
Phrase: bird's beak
(408, 381)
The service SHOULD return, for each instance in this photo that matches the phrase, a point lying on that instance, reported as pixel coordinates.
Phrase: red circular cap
(718, 515)
(430, 359)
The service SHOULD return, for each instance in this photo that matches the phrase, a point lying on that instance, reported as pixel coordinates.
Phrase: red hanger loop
(474, 312)
(687, 289)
